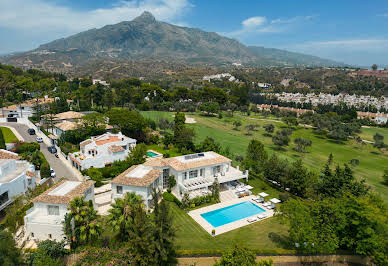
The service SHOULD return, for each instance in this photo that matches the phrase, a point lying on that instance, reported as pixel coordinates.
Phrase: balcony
(202, 182)
(35, 216)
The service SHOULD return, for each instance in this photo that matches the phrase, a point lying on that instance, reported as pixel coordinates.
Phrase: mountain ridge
(147, 38)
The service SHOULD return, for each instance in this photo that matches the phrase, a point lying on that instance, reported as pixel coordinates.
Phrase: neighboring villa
(193, 173)
(16, 177)
(102, 151)
(44, 220)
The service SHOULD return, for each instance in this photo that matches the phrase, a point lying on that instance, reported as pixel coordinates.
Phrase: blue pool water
(232, 213)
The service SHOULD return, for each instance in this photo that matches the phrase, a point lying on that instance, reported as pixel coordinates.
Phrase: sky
(350, 31)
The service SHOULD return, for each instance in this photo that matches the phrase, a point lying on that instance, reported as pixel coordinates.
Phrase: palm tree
(86, 226)
(121, 214)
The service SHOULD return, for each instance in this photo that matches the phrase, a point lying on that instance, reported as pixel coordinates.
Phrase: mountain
(145, 38)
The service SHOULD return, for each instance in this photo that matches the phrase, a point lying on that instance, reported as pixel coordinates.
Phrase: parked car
(12, 119)
(31, 131)
(52, 149)
(39, 140)
(52, 173)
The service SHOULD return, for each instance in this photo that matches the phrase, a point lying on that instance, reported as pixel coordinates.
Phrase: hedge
(170, 197)
(218, 252)
(2, 140)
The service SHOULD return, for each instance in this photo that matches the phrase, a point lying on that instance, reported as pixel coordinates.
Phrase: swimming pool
(152, 154)
(232, 213)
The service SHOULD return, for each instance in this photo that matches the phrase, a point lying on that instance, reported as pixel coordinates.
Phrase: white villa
(44, 220)
(102, 150)
(193, 173)
(16, 177)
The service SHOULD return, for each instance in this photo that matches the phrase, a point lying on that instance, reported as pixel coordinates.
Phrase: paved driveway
(61, 169)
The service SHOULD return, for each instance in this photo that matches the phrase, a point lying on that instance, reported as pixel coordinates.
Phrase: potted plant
(213, 232)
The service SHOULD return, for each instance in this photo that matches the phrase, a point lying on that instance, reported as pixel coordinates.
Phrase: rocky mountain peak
(145, 17)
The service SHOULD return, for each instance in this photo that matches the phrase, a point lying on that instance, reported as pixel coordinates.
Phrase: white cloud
(260, 24)
(45, 16)
(254, 22)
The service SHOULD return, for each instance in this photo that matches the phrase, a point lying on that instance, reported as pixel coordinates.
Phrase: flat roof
(64, 188)
(139, 171)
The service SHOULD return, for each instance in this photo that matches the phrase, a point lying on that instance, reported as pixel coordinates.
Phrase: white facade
(45, 219)
(16, 178)
(193, 173)
(101, 151)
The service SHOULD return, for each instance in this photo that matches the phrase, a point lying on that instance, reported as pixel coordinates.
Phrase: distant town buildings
(221, 76)
(102, 150)
(325, 98)
(99, 81)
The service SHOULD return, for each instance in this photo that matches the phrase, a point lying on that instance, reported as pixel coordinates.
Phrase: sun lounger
(262, 216)
(266, 204)
(252, 219)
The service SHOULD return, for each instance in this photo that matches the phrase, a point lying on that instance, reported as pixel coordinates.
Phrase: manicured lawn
(9, 137)
(173, 152)
(368, 133)
(372, 161)
(260, 235)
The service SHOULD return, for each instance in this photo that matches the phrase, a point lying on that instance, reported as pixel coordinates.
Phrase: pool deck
(196, 215)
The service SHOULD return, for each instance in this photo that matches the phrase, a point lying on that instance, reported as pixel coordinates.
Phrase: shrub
(27, 147)
(45, 170)
(171, 198)
(284, 196)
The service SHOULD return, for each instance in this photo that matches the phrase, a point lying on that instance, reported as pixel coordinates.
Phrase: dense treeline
(332, 211)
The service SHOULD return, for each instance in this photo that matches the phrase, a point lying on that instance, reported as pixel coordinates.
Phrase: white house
(193, 173)
(102, 150)
(141, 179)
(16, 177)
(44, 220)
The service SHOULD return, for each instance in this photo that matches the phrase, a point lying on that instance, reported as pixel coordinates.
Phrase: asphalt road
(60, 168)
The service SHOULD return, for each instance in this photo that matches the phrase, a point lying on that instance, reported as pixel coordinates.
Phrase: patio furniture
(266, 204)
(262, 216)
(263, 194)
(275, 200)
(252, 219)
(248, 187)
(271, 207)
(260, 200)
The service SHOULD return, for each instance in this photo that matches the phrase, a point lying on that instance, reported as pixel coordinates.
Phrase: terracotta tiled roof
(4, 154)
(67, 125)
(65, 199)
(68, 115)
(85, 142)
(108, 140)
(143, 181)
(195, 163)
(30, 174)
(115, 148)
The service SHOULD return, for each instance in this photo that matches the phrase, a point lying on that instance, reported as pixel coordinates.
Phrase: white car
(52, 173)
(39, 140)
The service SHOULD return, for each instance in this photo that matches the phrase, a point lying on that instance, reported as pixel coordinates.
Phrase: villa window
(32, 234)
(4, 198)
(193, 174)
(202, 172)
(216, 169)
(29, 181)
(119, 190)
(184, 175)
(50, 236)
(90, 152)
(52, 210)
